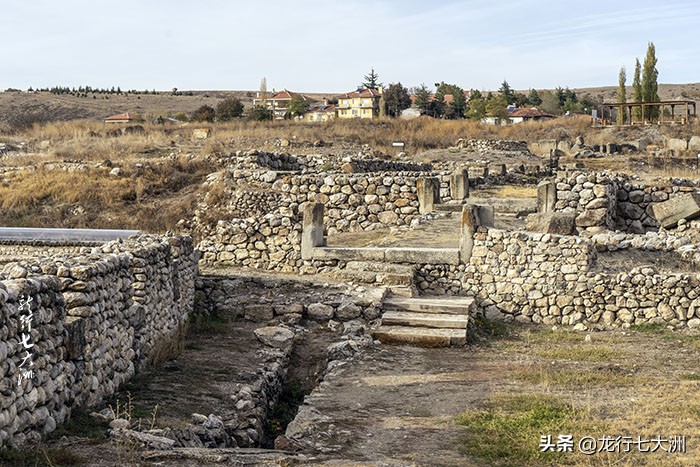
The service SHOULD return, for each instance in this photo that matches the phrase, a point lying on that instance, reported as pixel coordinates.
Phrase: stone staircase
(425, 321)
(397, 277)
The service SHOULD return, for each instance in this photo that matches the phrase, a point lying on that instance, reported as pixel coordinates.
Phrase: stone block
(459, 185)
(428, 193)
(685, 206)
(558, 223)
(546, 196)
(312, 229)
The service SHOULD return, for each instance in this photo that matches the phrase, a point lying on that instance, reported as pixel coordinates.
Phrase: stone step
(428, 320)
(373, 277)
(500, 205)
(420, 336)
(405, 291)
(447, 305)
(380, 267)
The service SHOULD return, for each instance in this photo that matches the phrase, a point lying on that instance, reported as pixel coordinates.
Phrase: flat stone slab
(450, 305)
(422, 255)
(429, 320)
(559, 223)
(685, 206)
(391, 255)
(421, 337)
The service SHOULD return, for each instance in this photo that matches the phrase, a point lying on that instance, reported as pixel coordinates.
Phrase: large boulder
(559, 223)
(685, 206)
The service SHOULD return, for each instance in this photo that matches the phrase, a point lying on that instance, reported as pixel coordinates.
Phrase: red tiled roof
(323, 108)
(285, 95)
(361, 93)
(124, 116)
(534, 112)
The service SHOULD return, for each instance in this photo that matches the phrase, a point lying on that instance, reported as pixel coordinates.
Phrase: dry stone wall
(612, 201)
(97, 319)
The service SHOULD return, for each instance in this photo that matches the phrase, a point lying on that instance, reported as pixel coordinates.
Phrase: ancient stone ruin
(105, 311)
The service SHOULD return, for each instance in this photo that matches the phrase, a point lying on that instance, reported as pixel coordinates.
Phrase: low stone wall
(486, 145)
(612, 201)
(97, 319)
(549, 279)
(17, 251)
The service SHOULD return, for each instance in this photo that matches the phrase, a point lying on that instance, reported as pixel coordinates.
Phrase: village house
(278, 102)
(121, 118)
(363, 103)
(529, 115)
(321, 112)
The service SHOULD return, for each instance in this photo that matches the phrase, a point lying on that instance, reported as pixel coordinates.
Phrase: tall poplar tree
(637, 89)
(621, 95)
(650, 85)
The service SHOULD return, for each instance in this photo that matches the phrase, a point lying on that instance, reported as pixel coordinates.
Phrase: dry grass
(154, 198)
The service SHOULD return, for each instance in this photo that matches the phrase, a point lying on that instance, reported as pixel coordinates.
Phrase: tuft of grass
(508, 429)
(580, 353)
(576, 378)
(40, 457)
(209, 324)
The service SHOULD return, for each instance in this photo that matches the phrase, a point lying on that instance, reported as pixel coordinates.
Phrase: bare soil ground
(399, 405)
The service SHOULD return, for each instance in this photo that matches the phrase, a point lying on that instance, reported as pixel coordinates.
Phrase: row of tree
(645, 87)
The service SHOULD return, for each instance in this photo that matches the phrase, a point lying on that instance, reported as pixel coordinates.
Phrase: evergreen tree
(477, 106)
(297, 106)
(371, 80)
(650, 86)
(396, 99)
(637, 90)
(422, 99)
(621, 95)
(533, 98)
(507, 92)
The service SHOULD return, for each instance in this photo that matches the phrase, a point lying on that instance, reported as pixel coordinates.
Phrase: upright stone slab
(312, 230)
(668, 213)
(428, 194)
(459, 185)
(473, 216)
(546, 196)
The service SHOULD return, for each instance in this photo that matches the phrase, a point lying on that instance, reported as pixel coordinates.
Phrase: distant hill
(689, 91)
(22, 107)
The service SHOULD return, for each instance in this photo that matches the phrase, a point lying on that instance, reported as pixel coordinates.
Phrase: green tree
(507, 92)
(550, 102)
(650, 85)
(371, 80)
(497, 106)
(228, 109)
(297, 106)
(422, 99)
(205, 113)
(396, 99)
(437, 105)
(260, 114)
(477, 106)
(458, 105)
(621, 95)
(637, 89)
(533, 98)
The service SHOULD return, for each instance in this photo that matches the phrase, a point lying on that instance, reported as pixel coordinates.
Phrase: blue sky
(328, 45)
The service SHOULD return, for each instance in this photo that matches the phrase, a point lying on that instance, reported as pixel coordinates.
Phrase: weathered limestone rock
(668, 213)
(201, 133)
(319, 311)
(428, 194)
(559, 223)
(592, 217)
(546, 196)
(459, 185)
(275, 336)
(312, 229)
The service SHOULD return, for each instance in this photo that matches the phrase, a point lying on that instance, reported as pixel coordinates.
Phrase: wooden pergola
(666, 112)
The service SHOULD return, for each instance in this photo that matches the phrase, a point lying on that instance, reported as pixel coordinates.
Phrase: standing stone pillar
(312, 229)
(473, 216)
(428, 194)
(546, 196)
(504, 169)
(459, 185)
